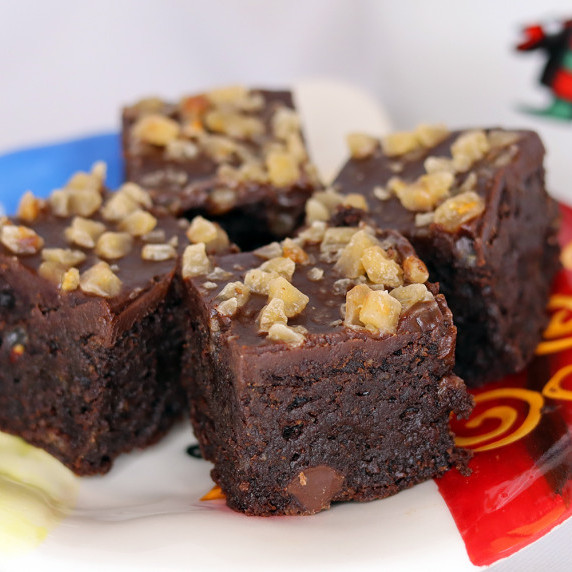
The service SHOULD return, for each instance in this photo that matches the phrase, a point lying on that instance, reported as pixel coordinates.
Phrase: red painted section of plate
(520, 430)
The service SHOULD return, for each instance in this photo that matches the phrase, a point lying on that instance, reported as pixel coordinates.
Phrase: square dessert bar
(320, 370)
(89, 322)
(230, 153)
(474, 205)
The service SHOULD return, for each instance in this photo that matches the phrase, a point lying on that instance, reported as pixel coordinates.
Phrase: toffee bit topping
(237, 291)
(52, 271)
(118, 207)
(272, 313)
(156, 129)
(414, 270)
(350, 262)
(295, 252)
(411, 294)
(195, 261)
(375, 310)
(158, 252)
(114, 245)
(361, 146)
(202, 230)
(272, 250)
(70, 280)
(425, 136)
(228, 307)
(20, 239)
(469, 148)
(101, 281)
(458, 210)
(380, 268)
(156, 236)
(283, 169)
(314, 234)
(181, 150)
(234, 124)
(294, 300)
(282, 333)
(425, 193)
(138, 223)
(285, 122)
(424, 219)
(381, 193)
(64, 256)
(316, 211)
(258, 280)
(334, 241)
(357, 201)
(84, 232)
(30, 207)
(137, 194)
(315, 274)
(502, 138)
(280, 266)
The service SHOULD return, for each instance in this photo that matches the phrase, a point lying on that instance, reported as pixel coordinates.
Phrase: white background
(66, 66)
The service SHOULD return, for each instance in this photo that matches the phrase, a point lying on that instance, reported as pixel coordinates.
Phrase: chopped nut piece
(70, 280)
(285, 122)
(156, 129)
(272, 250)
(20, 239)
(294, 300)
(430, 135)
(282, 168)
(84, 232)
(470, 183)
(195, 261)
(315, 274)
(411, 294)
(52, 271)
(258, 281)
(424, 219)
(337, 237)
(330, 198)
(361, 145)
(295, 146)
(227, 95)
(414, 270)
(30, 207)
(137, 194)
(64, 256)
(295, 252)
(459, 210)
(59, 202)
(237, 291)
(218, 147)
(314, 233)
(194, 106)
(118, 207)
(148, 105)
(400, 143)
(356, 201)
(281, 266)
(234, 124)
(439, 165)
(272, 313)
(380, 268)
(156, 236)
(350, 263)
(84, 202)
(201, 230)
(316, 211)
(228, 308)
(380, 312)
(381, 193)
(355, 299)
(180, 150)
(223, 200)
(138, 223)
(282, 333)
(502, 138)
(210, 285)
(158, 252)
(469, 148)
(100, 280)
(114, 245)
(425, 193)
(219, 274)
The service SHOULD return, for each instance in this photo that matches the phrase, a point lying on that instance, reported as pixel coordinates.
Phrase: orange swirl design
(566, 256)
(214, 494)
(558, 334)
(554, 390)
(506, 416)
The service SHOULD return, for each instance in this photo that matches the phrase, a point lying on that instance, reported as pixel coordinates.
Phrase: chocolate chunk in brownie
(90, 328)
(319, 369)
(474, 205)
(234, 154)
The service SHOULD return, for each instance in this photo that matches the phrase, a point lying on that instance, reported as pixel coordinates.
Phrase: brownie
(234, 154)
(90, 328)
(319, 369)
(474, 205)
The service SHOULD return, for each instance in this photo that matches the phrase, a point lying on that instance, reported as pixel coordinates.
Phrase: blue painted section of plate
(45, 168)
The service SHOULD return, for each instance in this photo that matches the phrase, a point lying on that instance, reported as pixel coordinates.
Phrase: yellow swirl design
(506, 416)
(559, 331)
(554, 390)
(566, 256)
